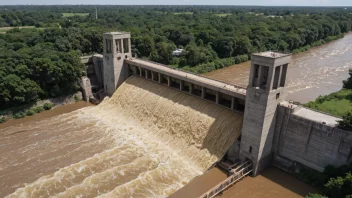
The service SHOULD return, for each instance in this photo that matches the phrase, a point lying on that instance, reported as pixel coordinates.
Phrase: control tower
(117, 48)
(266, 89)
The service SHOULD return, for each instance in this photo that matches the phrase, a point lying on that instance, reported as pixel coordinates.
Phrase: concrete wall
(86, 88)
(114, 71)
(260, 111)
(299, 140)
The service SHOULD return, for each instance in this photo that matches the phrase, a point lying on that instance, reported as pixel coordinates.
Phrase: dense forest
(42, 60)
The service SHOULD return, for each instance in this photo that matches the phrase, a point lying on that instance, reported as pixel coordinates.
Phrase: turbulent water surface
(319, 71)
(146, 141)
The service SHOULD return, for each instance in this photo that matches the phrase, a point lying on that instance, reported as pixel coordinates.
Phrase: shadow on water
(271, 183)
(288, 181)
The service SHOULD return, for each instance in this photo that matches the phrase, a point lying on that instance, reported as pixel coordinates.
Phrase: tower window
(118, 45)
(250, 150)
(256, 75)
(126, 48)
(108, 45)
(264, 77)
(277, 96)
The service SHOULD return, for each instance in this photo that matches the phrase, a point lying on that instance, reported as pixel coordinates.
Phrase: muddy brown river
(319, 71)
(148, 141)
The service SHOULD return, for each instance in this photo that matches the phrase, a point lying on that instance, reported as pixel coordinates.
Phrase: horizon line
(179, 5)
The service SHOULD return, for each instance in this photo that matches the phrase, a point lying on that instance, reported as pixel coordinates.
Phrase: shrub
(241, 59)
(48, 106)
(30, 112)
(315, 196)
(3, 119)
(346, 122)
(77, 98)
(38, 109)
(19, 115)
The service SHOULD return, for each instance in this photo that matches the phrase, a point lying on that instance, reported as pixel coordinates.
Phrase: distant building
(177, 52)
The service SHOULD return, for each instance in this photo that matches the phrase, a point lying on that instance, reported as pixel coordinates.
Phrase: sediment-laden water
(146, 141)
(319, 71)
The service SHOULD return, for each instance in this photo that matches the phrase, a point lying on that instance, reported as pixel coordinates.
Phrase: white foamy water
(146, 141)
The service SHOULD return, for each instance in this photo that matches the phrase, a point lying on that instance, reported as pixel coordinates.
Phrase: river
(148, 141)
(319, 71)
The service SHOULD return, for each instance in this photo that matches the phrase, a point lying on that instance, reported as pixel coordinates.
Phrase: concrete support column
(269, 84)
(260, 70)
(234, 104)
(168, 81)
(152, 75)
(140, 71)
(122, 47)
(203, 92)
(190, 88)
(181, 84)
(129, 46)
(159, 76)
(146, 73)
(217, 97)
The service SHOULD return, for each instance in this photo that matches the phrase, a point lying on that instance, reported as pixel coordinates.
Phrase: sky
(186, 2)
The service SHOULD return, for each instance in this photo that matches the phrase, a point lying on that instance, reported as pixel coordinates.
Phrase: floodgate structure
(274, 131)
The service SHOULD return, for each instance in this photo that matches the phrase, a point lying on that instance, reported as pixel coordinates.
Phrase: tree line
(44, 61)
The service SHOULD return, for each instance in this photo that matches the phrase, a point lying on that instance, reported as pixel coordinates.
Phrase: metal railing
(240, 172)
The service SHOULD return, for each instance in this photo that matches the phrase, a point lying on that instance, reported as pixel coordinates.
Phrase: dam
(162, 128)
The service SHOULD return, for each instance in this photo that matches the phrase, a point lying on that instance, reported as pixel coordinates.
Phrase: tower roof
(117, 33)
(272, 54)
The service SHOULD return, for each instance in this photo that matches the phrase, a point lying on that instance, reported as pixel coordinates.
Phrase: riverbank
(47, 114)
(229, 62)
(37, 107)
(318, 71)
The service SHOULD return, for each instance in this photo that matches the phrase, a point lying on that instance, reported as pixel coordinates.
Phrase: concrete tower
(117, 48)
(266, 89)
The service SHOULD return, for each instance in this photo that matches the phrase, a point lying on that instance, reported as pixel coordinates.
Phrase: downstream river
(148, 141)
(319, 71)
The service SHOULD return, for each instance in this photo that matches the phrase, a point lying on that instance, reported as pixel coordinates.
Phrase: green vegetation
(333, 182)
(6, 29)
(338, 103)
(19, 112)
(3, 119)
(43, 63)
(48, 106)
(223, 14)
(75, 14)
(178, 13)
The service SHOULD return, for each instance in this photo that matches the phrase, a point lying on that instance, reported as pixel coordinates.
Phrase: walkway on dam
(312, 115)
(217, 85)
(201, 184)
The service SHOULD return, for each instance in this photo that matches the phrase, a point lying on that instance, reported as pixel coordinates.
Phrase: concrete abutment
(270, 131)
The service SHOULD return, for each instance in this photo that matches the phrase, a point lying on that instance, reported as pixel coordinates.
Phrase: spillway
(147, 140)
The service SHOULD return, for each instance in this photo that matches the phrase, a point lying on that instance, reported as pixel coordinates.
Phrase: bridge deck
(230, 89)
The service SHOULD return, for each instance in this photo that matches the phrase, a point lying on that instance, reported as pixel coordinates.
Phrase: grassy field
(74, 14)
(223, 14)
(338, 103)
(178, 13)
(5, 29)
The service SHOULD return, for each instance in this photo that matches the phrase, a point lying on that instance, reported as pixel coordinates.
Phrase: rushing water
(320, 71)
(146, 141)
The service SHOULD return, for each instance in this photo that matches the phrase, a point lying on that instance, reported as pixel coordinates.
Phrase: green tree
(15, 90)
(347, 84)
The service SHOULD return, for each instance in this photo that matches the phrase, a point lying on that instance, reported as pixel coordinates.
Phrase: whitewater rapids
(147, 140)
